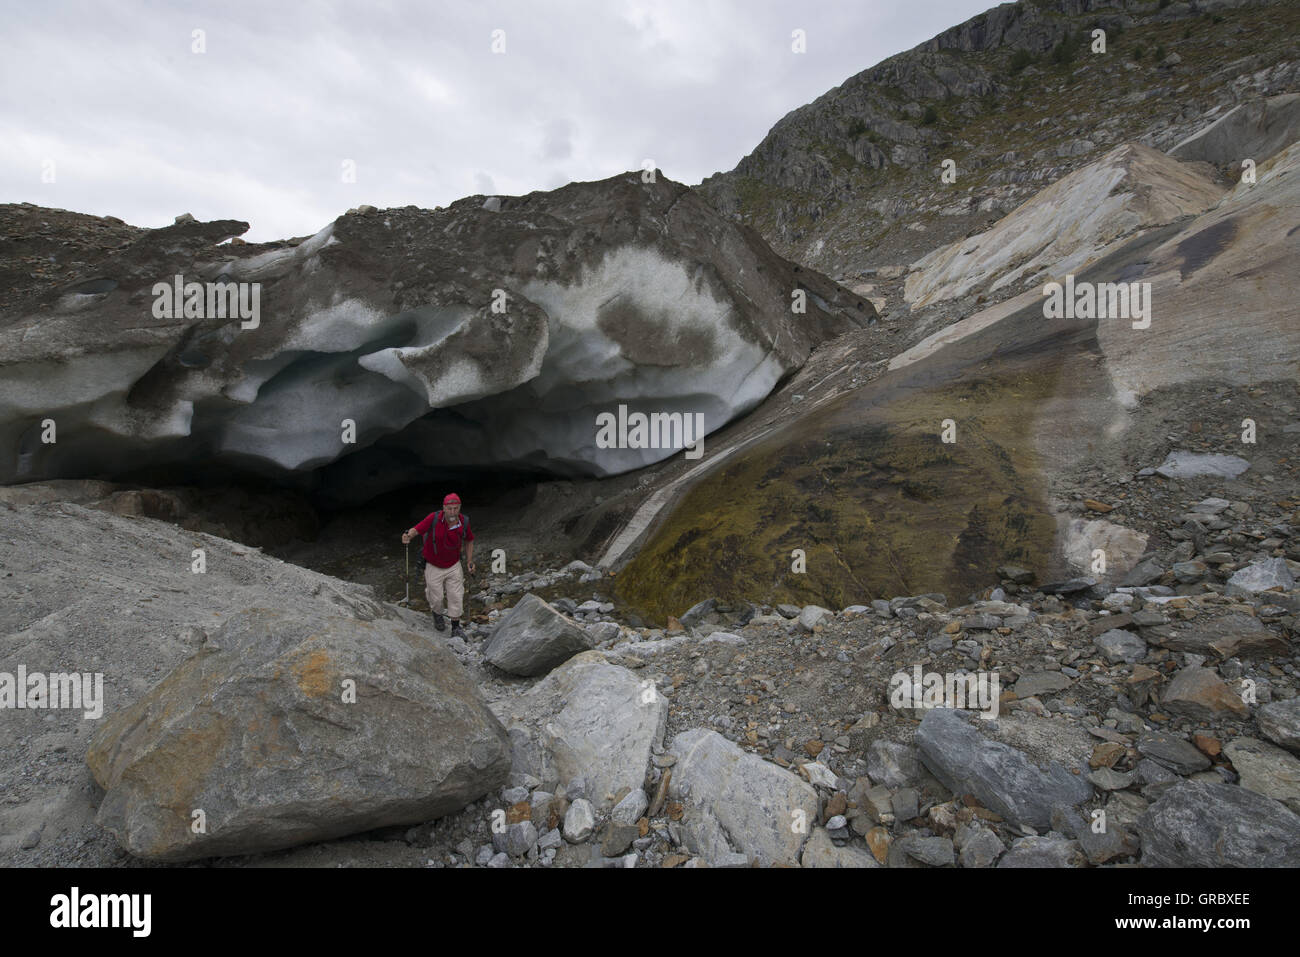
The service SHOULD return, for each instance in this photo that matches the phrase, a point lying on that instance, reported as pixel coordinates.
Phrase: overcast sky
(110, 100)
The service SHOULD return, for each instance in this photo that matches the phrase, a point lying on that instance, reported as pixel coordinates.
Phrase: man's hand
(471, 568)
(407, 536)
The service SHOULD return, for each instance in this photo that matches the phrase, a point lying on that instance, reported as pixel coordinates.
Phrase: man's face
(451, 510)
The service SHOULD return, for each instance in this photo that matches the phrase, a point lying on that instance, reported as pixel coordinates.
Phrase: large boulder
(1002, 778)
(735, 802)
(533, 638)
(285, 729)
(587, 719)
(1194, 824)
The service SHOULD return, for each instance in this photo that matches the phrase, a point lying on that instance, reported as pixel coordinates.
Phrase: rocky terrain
(1145, 700)
(851, 183)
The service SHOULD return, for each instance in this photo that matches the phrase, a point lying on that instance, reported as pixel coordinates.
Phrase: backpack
(464, 520)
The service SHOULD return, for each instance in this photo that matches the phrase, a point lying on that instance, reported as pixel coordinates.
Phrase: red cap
(451, 497)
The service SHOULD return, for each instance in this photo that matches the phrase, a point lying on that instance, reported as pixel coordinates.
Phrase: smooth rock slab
(254, 732)
(1179, 465)
(590, 719)
(736, 801)
(1218, 825)
(1002, 778)
(532, 638)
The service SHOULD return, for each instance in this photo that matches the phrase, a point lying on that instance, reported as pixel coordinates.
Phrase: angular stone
(698, 612)
(1261, 576)
(631, 808)
(618, 838)
(1014, 573)
(1171, 752)
(1280, 722)
(981, 848)
(736, 800)
(1118, 645)
(1071, 586)
(1042, 682)
(1266, 769)
(1207, 635)
(516, 839)
(1104, 846)
(255, 731)
(1143, 573)
(819, 851)
(579, 821)
(1218, 825)
(1199, 693)
(1106, 754)
(893, 764)
(906, 804)
(1001, 778)
(1040, 852)
(1180, 465)
(926, 851)
(1110, 780)
(812, 615)
(532, 638)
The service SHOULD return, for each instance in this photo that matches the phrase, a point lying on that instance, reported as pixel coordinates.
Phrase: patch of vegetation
(1138, 52)
(1019, 60)
(856, 128)
(1160, 53)
(1064, 52)
(1165, 3)
(930, 116)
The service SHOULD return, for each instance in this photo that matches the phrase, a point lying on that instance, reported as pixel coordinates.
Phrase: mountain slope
(1016, 99)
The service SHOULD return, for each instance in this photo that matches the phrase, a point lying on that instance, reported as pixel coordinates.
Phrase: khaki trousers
(452, 580)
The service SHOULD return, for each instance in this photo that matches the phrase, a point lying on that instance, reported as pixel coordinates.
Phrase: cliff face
(1016, 98)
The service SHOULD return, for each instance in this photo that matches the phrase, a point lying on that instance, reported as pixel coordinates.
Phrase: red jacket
(442, 548)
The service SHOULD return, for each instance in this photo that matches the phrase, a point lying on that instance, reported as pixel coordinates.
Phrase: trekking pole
(407, 577)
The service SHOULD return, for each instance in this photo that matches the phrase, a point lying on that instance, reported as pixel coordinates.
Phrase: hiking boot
(438, 622)
(455, 629)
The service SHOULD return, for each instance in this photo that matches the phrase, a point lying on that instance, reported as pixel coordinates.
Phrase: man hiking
(444, 532)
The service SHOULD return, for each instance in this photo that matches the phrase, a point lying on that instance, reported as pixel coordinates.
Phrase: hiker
(444, 532)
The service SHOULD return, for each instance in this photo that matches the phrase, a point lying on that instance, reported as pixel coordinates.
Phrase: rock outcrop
(285, 729)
